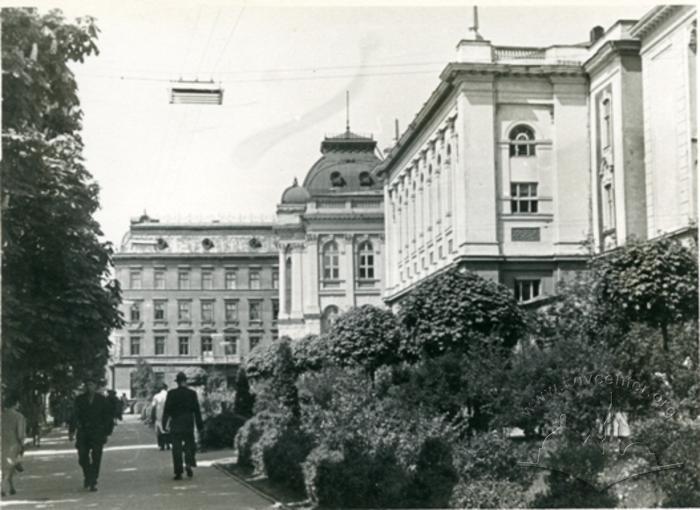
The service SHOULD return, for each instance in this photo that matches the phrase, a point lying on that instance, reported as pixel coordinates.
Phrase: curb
(278, 504)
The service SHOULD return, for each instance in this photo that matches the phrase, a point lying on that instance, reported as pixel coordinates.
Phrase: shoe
(161, 448)
(86, 484)
(189, 472)
(93, 488)
(12, 491)
(177, 477)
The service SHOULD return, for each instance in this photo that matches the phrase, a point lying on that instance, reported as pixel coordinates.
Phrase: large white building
(331, 237)
(523, 155)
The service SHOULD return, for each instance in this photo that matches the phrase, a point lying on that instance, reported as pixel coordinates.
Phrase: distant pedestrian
(13, 433)
(162, 436)
(180, 415)
(125, 403)
(94, 420)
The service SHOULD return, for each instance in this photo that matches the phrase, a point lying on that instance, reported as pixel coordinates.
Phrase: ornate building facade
(194, 295)
(331, 237)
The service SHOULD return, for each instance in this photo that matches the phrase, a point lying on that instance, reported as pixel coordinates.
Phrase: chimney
(596, 33)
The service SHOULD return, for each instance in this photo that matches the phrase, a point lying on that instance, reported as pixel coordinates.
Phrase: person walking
(180, 415)
(14, 428)
(94, 421)
(162, 437)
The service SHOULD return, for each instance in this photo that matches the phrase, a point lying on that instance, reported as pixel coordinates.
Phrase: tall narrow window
(231, 311)
(159, 310)
(159, 347)
(275, 279)
(159, 279)
(523, 197)
(135, 345)
(230, 345)
(526, 290)
(135, 311)
(207, 279)
(330, 261)
(254, 279)
(522, 141)
(365, 269)
(231, 277)
(183, 345)
(135, 279)
(207, 311)
(254, 311)
(184, 311)
(609, 206)
(183, 279)
(275, 310)
(207, 344)
(253, 342)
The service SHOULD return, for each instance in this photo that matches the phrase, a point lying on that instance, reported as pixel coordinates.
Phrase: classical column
(297, 281)
(284, 313)
(350, 269)
(311, 280)
(389, 226)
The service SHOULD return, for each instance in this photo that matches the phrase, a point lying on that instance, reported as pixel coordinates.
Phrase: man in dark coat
(180, 415)
(94, 421)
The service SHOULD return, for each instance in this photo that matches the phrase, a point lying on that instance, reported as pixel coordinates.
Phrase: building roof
(347, 165)
(295, 194)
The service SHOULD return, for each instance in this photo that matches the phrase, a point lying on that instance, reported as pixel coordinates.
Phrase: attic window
(365, 179)
(207, 244)
(337, 179)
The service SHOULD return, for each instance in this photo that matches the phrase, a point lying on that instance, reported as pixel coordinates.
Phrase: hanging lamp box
(196, 92)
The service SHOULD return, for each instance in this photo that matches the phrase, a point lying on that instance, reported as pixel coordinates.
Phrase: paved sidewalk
(134, 475)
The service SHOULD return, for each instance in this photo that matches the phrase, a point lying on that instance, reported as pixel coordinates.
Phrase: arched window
(330, 261)
(337, 179)
(330, 315)
(365, 179)
(522, 141)
(365, 261)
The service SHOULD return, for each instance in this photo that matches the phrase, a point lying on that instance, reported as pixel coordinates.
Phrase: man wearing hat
(180, 415)
(94, 421)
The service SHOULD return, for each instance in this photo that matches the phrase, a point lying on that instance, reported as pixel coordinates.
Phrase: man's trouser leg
(97, 446)
(189, 450)
(177, 439)
(84, 459)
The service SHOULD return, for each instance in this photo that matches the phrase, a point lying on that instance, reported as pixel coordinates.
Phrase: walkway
(134, 475)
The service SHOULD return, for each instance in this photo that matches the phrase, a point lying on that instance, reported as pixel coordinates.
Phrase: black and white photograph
(329, 254)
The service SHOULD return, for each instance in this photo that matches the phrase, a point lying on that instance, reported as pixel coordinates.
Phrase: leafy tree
(59, 304)
(144, 379)
(451, 311)
(283, 382)
(367, 336)
(653, 282)
(244, 400)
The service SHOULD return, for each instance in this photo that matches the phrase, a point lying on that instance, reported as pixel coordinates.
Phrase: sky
(285, 71)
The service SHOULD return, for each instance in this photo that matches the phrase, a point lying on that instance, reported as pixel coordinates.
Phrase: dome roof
(295, 194)
(347, 164)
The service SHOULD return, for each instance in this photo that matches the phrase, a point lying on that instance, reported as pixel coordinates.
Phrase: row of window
(184, 310)
(330, 261)
(229, 344)
(424, 263)
(184, 279)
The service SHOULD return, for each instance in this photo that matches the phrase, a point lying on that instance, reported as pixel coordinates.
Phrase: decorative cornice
(610, 50)
(652, 19)
(170, 256)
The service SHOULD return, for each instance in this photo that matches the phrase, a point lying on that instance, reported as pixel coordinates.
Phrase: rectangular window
(449, 246)
(366, 266)
(253, 342)
(159, 310)
(230, 345)
(254, 279)
(159, 279)
(230, 278)
(275, 279)
(330, 265)
(606, 127)
(207, 279)
(183, 345)
(207, 344)
(275, 310)
(231, 311)
(526, 290)
(608, 207)
(207, 311)
(184, 311)
(135, 311)
(135, 279)
(526, 234)
(254, 309)
(183, 279)
(135, 345)
(523, 197)
(159, 347)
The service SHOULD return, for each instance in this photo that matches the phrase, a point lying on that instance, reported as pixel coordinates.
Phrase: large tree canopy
(59, 304)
